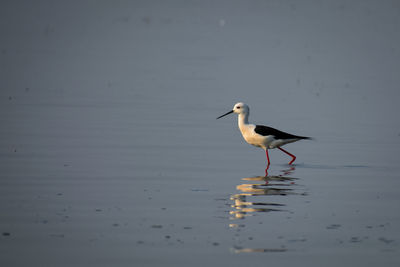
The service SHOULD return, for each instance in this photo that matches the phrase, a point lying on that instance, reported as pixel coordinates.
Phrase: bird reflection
(260, 194)
(272, 185)
(288, 171)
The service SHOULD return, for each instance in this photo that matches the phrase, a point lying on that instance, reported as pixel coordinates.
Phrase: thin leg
(293, 156)
(266, 170)
(266, 153)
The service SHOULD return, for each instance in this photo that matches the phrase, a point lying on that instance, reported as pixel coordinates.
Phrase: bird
(262, 136)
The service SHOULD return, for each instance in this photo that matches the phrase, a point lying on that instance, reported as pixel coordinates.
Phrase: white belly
(251, 137)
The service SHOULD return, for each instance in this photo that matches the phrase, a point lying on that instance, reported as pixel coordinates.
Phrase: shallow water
(111, 155)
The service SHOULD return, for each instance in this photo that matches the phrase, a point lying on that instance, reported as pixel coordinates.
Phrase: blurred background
(317, 68)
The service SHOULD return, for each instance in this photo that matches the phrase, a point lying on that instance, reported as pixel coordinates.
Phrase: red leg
(266, 153)
(266, 170)
(293, 156)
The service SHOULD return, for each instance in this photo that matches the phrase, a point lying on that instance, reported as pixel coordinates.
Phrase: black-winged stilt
(260, 135)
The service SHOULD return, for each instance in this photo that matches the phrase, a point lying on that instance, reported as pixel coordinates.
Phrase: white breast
(251, 137)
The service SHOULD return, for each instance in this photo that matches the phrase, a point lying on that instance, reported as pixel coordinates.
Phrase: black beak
(225, 114)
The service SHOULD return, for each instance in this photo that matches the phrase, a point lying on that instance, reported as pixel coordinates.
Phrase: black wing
(265, 131)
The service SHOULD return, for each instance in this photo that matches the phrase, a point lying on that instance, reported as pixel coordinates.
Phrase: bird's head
(238, 108)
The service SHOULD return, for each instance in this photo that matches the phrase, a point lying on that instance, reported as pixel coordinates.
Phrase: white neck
(243, 119)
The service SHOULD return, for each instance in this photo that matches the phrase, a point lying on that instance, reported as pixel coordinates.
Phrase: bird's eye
(238, 107)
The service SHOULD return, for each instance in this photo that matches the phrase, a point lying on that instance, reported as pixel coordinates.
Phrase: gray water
(110, 154)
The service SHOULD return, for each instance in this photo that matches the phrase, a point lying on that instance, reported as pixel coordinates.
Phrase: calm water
(110, 154)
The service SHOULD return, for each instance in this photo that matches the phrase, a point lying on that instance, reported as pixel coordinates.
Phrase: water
(111, 155)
